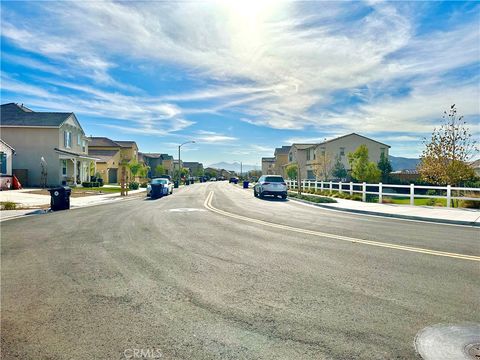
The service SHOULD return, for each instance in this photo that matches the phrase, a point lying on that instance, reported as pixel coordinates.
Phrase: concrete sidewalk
(423, 213)
(34, 202)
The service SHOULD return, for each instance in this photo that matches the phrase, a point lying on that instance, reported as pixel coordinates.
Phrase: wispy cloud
(281, 65)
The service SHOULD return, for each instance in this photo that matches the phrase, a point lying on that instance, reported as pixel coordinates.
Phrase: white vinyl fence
(442, 192)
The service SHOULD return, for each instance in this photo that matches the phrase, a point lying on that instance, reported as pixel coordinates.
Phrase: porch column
(74, 171)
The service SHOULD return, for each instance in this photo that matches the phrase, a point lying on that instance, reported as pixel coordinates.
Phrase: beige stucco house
(307, 155)
(268, 166)
(281, 159)
(51, 147)
(114, 157)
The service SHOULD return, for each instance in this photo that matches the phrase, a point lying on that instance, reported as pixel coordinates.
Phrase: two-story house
(51, 147)
(114, 157)
(310, 156)
(281, 159)
(268, 165)
(153, 160)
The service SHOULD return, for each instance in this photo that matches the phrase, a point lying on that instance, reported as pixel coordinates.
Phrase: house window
(67, 139)
(342, 151)
(308, 154)
(3, 163)
(84, 146)
(64, 167)
(323, 152)
(290, 157)
(382, 151)
(79, 139)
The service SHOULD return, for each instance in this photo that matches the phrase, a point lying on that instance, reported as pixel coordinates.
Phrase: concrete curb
(393, 216)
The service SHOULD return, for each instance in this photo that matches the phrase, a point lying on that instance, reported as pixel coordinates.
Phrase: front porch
(75, 168)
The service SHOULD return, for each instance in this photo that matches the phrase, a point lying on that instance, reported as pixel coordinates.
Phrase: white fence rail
(388, 190)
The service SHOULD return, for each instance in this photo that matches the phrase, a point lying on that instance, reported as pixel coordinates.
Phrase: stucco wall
(30, 145)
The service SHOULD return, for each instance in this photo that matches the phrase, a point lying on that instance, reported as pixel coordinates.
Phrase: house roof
(475, 164)
(343, 136)
(282, 150)
(268, 159)
(126, 144)
(102, 141)
(155, 156)
(303, 146)
(18, 115)
(104, 155)
(191, 163)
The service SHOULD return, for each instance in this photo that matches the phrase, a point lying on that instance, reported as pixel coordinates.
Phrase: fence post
(316, 185)
(380, 195)
(321, 185)
(412, 194)
(331, 186)
(340, 187)
(364, 192)
(351, 188)
(449, 195)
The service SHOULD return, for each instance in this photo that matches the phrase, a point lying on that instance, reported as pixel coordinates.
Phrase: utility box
(60, 198)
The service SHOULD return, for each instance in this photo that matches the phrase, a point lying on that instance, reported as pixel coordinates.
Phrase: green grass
(8, 205)
(98, 189)
(417, 201)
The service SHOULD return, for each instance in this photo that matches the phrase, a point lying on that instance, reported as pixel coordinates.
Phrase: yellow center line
(208, 204)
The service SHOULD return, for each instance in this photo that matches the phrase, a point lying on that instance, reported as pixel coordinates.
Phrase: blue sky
(243, 77)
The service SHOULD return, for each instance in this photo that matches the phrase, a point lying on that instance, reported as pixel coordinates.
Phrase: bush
(431, 202)
(90, 184)
(133, 185)
(315, 199)
(143, 185)
(9, 205)
(471, 204)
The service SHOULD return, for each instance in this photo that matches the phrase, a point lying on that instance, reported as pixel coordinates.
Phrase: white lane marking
(185, 210)
(209, 206)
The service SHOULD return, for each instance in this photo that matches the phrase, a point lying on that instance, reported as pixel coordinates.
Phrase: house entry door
(112, 176)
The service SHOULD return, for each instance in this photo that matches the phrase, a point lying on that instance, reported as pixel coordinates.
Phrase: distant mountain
(234, 166)
(401, 163)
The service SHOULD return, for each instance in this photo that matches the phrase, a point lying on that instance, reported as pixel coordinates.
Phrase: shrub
(315, 199)
(471, 204)
(90, 184)
(9, 205)
(143, 185)
(133, 185)
(430, 202)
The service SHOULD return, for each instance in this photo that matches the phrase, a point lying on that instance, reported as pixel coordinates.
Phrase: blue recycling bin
(245, 184)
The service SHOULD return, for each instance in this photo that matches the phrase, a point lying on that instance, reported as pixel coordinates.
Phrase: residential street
(173, 276)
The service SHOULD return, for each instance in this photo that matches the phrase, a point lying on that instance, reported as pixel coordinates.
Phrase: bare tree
(323, 166)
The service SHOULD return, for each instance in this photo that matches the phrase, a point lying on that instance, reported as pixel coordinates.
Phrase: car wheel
(284, 197)
(261, 195)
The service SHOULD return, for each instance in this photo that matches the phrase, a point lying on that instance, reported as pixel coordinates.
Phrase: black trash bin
(175, 184)
(60, 198)
(187, 182)
(245, 184)
(157, 191)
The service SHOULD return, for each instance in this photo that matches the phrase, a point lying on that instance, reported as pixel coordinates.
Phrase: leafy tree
(159, 170)
(292, 171)
(134, 167)
(362, 168)
(385, 167)
(339, 170)
(323, 166)
(210, 173)
(445, 157)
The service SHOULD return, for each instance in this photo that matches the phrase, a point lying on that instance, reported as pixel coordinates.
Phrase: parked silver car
(270, 185)
(167, 186)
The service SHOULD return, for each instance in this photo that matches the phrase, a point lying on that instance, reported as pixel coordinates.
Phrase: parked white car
(270, 185)
(167, 186)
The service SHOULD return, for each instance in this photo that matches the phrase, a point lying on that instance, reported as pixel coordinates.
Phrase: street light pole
(179, 161)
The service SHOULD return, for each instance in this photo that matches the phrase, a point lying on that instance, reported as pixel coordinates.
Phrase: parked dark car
(233, 179)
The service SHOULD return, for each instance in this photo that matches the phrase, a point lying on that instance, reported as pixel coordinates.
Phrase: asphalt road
(179, 281)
